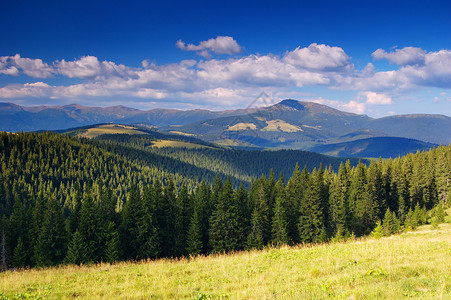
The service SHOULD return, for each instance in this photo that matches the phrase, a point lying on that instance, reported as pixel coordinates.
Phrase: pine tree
(148, 242)
(296, 187)
(91, 229)
(131, 216)
(224, 222)
(77, 252)
(260, 223)
(339, 202)
(280, 219)
(194, 244)
(112, 254)
(20, 254)
(360, 208)
(388, 223)
(203, 206)
(311, 220)
(50, 248)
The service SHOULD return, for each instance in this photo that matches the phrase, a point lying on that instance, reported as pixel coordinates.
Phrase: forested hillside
(238, 163)
(60, 201)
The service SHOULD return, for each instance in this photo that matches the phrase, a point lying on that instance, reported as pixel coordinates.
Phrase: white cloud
(373, 98)
(351, 106)
(231, 81)
(319, 57)
(218, 45)
(402, 57)
(91, 67)
(31, 67)
(38, 89)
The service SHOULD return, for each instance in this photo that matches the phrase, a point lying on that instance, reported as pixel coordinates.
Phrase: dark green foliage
(64, 199)
(225, 229)
(113, 244)
(260, 230)
(194, 241)
(390, 224)
(311, 220)
(279, 229)
(50, 248)
(77, 252)
(20, 254)
(91, 228)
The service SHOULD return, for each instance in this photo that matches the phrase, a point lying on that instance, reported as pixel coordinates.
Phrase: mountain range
(289, 124)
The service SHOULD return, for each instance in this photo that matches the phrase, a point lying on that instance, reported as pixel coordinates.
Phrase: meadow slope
(413, 264)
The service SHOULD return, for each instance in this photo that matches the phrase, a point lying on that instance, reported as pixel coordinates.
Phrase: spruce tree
(148, 242)
(77, 252)
(20, 254)
(194, 245)
(311, 220)
(260, 224)
(112, 254)
(225, 228)
(50, 248)
(92, 229)
(280, 234)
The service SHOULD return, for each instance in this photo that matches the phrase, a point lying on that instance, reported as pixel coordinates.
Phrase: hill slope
(384, 147)
(413, 264)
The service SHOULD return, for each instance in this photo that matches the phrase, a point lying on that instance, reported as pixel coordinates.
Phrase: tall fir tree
(260, 224)
(50, 248)
(225, 228)
(77, 252)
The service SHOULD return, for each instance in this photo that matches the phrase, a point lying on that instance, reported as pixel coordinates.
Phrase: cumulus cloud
(376, 99)
(233, 80)
(218, 45)
(351, 106)
(319, 57)
(10, 65)
(402, 57)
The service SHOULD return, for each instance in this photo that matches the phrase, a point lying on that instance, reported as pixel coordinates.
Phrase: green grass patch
(410, 265)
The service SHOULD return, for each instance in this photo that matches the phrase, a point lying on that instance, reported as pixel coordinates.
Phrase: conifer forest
(72, 200)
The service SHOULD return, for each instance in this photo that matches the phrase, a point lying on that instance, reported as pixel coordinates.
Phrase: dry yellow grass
(182, 133)
(177, 144)
(280, 125)
(242, 126)
(110, 129)
(414, 264)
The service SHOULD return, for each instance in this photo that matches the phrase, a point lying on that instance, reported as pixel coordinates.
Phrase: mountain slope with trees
(61, 202)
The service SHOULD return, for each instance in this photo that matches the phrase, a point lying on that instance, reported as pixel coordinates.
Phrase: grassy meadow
(110, 129)
(413, 264)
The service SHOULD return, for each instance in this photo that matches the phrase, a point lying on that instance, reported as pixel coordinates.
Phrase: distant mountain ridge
(289, 124)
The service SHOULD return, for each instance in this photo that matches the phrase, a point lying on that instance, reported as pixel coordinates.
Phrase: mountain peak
(292, 103)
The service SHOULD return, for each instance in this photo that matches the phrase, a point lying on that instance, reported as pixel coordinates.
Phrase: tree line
(165, 216)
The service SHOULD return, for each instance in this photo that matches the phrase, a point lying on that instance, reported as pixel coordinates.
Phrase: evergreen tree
(311, 220)
(339, 202)
(50, 248)
(260, 223)
(92, 229)
(112, 254)
(20, 254)
(280, 234)
(296, 187)
(131, 218)
(77, 253)
(148, 242)
(224, 225)
(194, 245)
(362, 211)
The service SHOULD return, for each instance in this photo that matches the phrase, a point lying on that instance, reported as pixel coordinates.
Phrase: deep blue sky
(128, 32)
